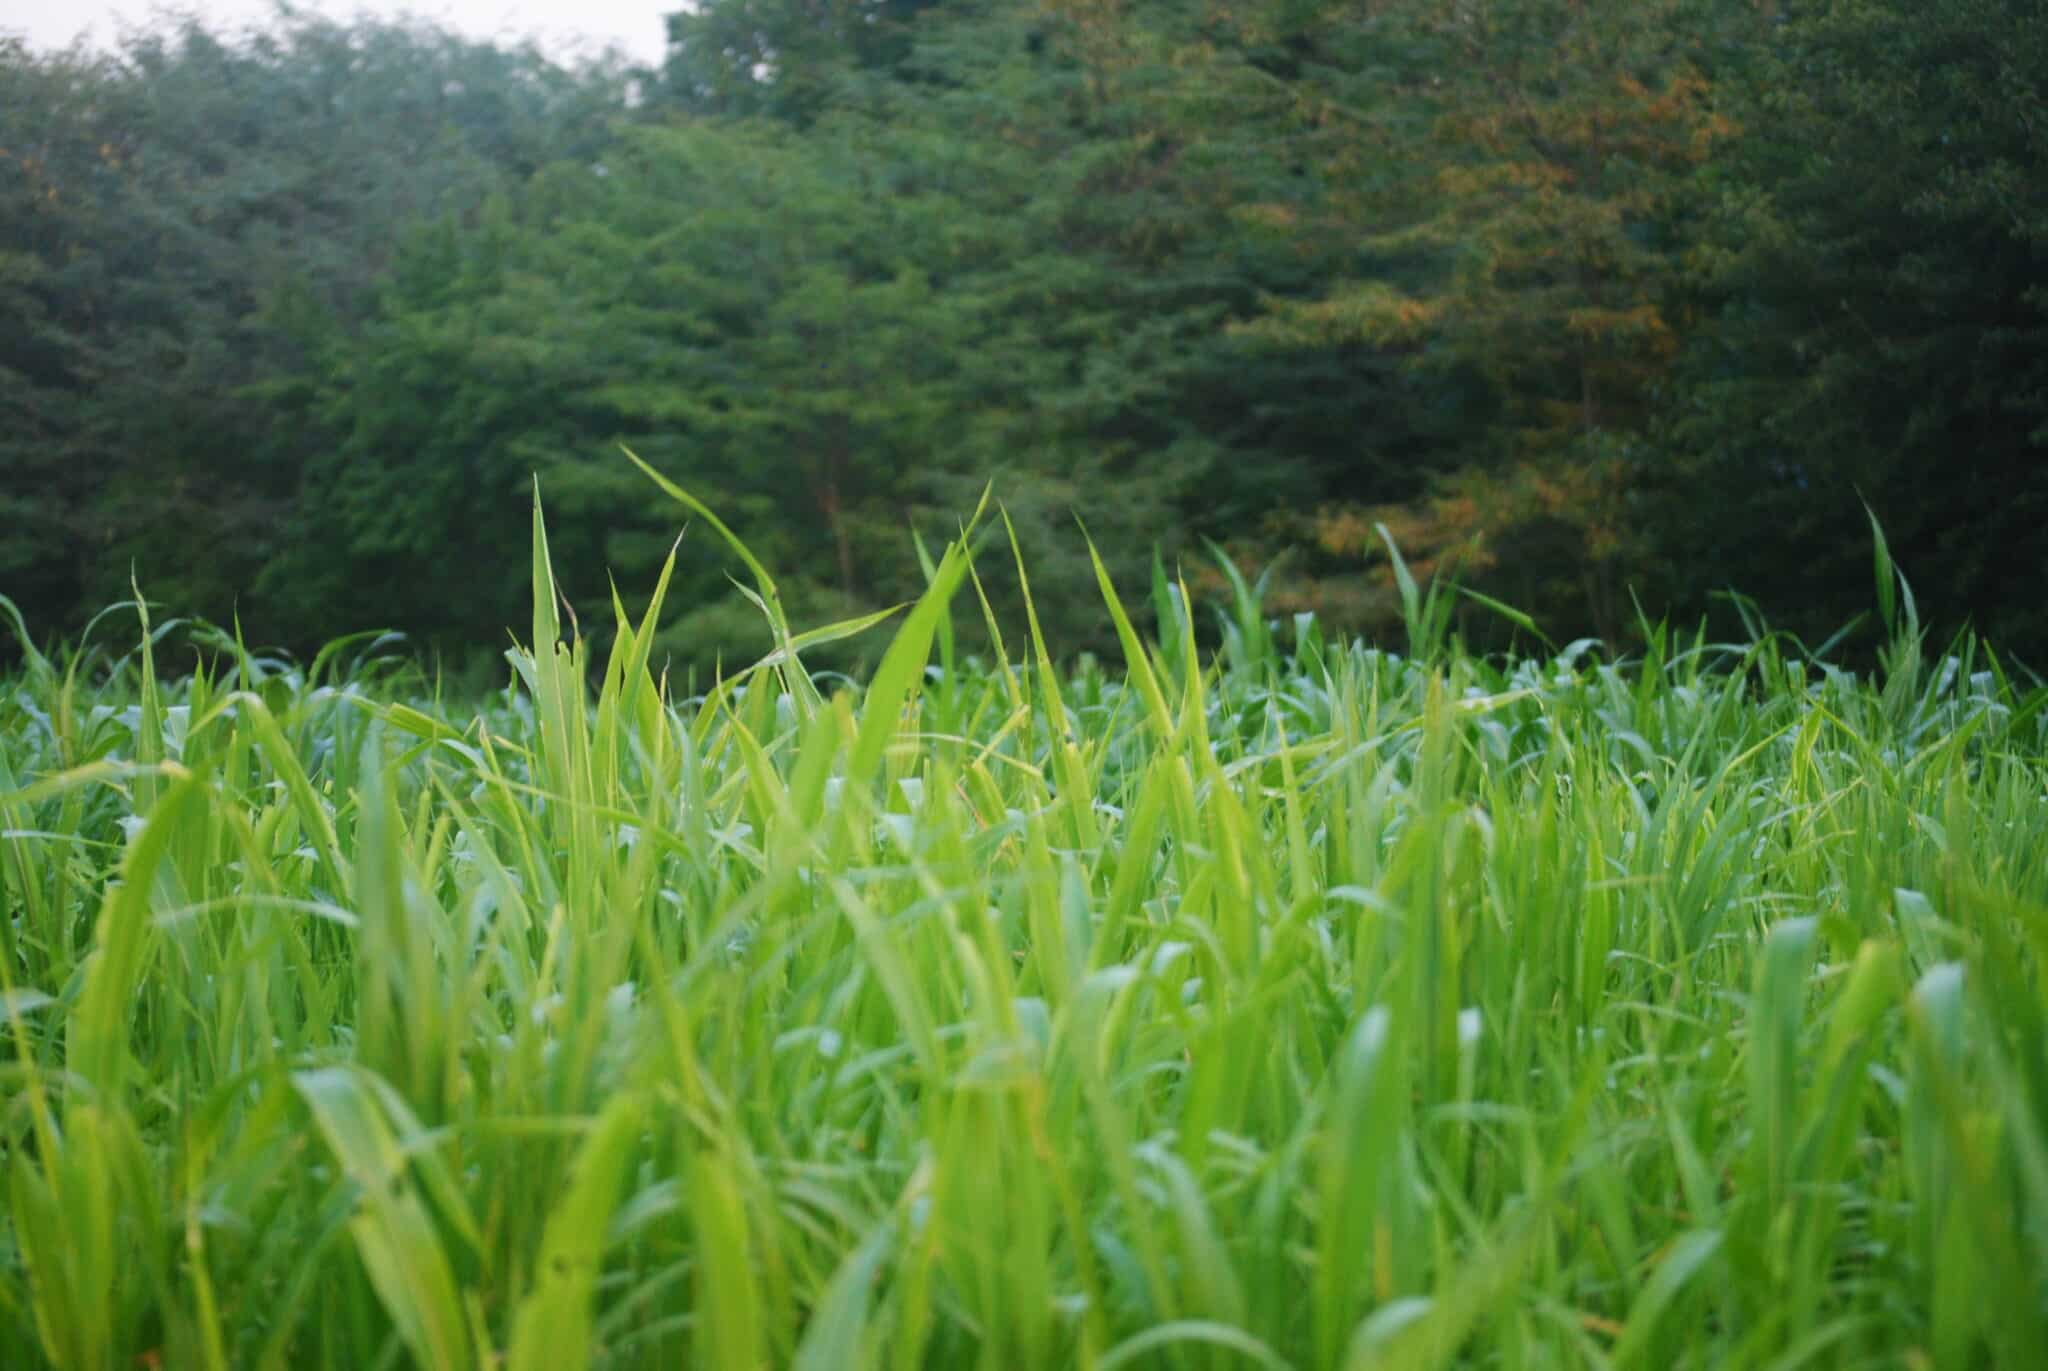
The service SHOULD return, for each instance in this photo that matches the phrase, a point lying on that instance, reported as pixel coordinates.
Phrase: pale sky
(564, 28)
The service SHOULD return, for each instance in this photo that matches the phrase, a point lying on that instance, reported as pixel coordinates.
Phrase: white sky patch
(563, 28)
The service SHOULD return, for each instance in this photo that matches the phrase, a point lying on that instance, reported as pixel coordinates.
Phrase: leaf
(552, 1329)
(394, 1235)
(1198, 1331)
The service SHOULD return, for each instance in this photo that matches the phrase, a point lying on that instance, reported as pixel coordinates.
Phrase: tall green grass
(1307, 1005)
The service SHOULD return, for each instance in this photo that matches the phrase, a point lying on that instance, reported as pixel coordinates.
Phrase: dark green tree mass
(1875, 321)
(1601, 302)
(188, 232)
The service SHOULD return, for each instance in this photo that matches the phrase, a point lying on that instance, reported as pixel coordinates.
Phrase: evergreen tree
(1879, 289)
(1509, 173)
(783, 59)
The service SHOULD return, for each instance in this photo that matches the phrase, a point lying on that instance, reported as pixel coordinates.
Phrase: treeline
(1607, 302)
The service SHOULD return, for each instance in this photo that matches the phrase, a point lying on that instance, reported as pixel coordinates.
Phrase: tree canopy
(1602, 302)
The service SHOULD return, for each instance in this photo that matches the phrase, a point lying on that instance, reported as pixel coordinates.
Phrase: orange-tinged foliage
(1272, 216)
(1459, 529)
(1549, 150)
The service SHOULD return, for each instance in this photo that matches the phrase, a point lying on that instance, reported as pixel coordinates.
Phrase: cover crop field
(1296, 1004)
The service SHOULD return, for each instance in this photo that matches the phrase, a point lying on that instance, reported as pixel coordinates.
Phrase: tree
(189, 226)
(1878, 285)
(1001, 264)
(784, 59)
(1508, 173)
(60, 190)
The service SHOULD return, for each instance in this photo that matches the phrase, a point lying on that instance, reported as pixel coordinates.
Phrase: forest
(1618, 310)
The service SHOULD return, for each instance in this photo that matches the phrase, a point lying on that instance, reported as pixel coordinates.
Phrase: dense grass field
(1298, 1004)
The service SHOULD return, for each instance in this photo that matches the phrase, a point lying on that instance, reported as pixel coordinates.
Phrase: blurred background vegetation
(1605, 302)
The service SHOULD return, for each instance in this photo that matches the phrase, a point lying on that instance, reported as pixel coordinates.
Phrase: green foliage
(852, 330)
(186, 230)
(1879, 325)
(1600, 303)
(1510, 177)
(1511, 163)
(785, 59)
(1329, 1009)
